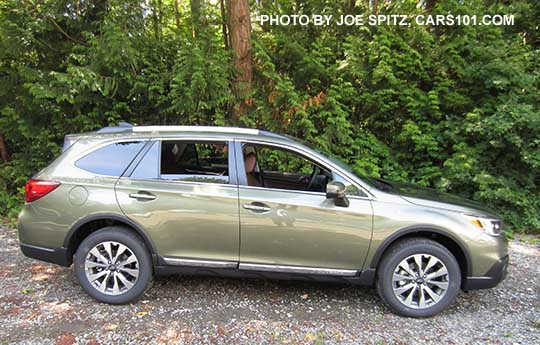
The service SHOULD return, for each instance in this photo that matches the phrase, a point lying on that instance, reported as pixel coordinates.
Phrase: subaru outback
(127, 203)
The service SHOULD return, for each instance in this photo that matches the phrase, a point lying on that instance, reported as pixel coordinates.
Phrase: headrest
(250, 162)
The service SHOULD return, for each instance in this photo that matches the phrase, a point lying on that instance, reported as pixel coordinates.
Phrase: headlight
(490, 226)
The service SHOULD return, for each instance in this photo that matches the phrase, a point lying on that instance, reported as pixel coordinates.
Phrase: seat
(250, 163)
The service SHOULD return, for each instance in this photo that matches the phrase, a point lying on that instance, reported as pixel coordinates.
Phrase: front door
(286, 222)
(184, 194)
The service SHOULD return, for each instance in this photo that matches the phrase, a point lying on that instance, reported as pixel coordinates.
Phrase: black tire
(404, 249)
(130, 240)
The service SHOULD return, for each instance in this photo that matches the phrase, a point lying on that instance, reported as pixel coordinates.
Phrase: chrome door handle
(257, 207)
(142, 196)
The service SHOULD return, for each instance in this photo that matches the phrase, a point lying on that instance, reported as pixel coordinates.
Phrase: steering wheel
(313, 177)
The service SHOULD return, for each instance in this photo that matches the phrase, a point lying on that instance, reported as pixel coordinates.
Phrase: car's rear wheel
(418, 278)
(113, 265)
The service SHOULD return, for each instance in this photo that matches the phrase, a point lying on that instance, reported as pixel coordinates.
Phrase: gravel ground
(42, 303)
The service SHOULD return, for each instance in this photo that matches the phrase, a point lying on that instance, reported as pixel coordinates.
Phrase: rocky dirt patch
(42, 303)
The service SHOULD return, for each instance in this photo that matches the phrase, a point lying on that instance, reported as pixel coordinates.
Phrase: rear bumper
(57, 256)
(494, 276)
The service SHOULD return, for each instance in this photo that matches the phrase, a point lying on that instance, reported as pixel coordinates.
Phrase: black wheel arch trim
(115, 217)
(417, 229)
(492, 278)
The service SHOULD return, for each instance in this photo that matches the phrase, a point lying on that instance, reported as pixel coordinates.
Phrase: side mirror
(336, 190)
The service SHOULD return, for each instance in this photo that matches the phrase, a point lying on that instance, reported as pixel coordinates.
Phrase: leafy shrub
(455, 108)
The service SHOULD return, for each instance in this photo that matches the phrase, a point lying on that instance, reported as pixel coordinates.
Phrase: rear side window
(110, 160)
(148, 167)
(195, 161)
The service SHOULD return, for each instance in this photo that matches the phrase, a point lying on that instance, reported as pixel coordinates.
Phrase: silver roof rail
(214, 129)
(127, 127)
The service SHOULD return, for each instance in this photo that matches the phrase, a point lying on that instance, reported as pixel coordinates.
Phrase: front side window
(274, 167)
(110, 160)
(194, 161)
(351, 190)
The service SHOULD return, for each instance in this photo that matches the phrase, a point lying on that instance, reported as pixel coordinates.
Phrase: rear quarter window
(110, 160)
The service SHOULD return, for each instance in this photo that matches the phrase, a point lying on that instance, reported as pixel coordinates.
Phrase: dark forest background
(451, 107)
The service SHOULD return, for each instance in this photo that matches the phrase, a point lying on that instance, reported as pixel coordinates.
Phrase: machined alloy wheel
(113, 265)
(418, 277)
(420, 281)
(112, 268)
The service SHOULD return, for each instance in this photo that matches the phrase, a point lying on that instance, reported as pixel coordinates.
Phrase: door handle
(257, 207)
(142, 196)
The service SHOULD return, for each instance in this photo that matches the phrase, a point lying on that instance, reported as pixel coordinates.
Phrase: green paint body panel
(193, 220)
(304, 229)
(208, 221)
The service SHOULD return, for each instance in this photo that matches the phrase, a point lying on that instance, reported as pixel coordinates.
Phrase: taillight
(36, 189)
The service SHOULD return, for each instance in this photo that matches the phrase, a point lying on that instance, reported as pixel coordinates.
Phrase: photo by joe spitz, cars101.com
(129, 202)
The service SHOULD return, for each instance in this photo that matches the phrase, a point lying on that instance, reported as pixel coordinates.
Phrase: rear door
(184, 194)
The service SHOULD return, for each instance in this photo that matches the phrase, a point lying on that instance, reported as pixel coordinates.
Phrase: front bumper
(494, 276)
(57, 256)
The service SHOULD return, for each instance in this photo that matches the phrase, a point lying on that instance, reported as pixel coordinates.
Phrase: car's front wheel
(113, 265)
(418, 278)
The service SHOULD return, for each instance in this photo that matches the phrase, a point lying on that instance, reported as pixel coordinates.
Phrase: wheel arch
(87, 225)
(438, 234)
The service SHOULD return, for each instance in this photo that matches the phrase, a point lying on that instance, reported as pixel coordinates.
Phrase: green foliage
(450, 107)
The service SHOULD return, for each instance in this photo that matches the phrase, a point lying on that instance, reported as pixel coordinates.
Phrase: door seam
(235, 156)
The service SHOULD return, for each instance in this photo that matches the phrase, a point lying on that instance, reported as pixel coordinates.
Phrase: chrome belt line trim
(298, 269)
(200, 263)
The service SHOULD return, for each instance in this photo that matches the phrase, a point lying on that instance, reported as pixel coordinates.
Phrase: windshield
(334, 159)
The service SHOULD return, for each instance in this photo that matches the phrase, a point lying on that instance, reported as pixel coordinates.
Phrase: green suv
(126, 203)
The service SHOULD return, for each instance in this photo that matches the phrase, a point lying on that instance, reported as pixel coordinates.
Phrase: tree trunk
(240, 40)
(429, 4)
(374, 4)
(4, 153)
(176, 14)
(224, 23)
(349, 6)
(195, 6)
(160, 12)
(155, 19)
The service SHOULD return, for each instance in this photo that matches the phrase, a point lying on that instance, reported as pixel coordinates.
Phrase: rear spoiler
(70, 139)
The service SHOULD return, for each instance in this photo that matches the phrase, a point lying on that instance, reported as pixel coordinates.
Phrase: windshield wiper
(383, 185)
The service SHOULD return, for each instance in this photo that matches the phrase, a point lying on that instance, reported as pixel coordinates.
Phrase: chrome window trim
(283, 190)
(226, 140)
(178, 177)
(230, 141)
(200, 263)
(316, 159)
(300, 191)
(298, 269)
(181, 182)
